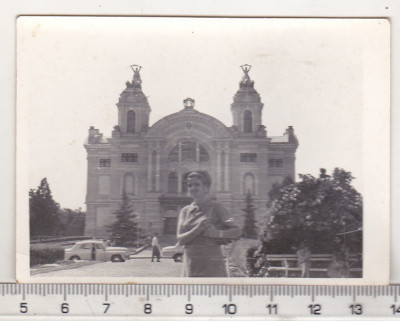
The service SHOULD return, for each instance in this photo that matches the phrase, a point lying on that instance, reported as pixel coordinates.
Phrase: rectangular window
(129, 157)
(105, 162)
(248, 157)
(275, 162)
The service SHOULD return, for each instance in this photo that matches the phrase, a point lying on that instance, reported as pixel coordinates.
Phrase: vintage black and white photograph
(199, 150)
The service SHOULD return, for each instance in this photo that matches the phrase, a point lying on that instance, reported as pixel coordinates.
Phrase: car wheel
(74, 258)
(117, 258)
(178, 257)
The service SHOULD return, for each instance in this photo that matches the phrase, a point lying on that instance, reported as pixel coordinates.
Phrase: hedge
(45, 254)
(52, 239)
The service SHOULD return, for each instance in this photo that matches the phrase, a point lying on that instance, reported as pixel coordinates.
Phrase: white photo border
(376, 194)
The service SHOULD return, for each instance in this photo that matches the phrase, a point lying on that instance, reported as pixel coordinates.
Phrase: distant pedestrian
(304, 260)
(156, 248)
(337, 268)
(93, 254)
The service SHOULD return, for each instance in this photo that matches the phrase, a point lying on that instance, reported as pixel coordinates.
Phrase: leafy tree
(326, 212)
(249, 229)
(124, 230)
(43, 217)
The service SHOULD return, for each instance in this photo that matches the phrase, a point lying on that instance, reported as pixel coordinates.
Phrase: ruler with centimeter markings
(172, 301)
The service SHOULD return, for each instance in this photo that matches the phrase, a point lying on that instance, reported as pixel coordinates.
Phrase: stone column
(218, 168)
(197, 153)
(179, 153)
(227, 154)
(179, 171)
(158, 172)
(149, 168)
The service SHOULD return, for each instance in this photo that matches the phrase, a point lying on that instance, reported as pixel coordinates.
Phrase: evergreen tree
(124, 230)
(249, 229)
(43, 211)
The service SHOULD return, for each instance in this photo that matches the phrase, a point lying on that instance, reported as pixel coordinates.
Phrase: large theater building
(149, 163)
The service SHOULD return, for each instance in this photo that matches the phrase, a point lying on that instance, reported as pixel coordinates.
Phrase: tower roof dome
(246, 92)
(133, 92)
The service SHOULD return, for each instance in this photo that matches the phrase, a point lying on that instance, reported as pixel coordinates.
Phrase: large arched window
(188, 150)
(130, 121)
(172, 183)
(249, 183)
(247, 121)
(129, 184)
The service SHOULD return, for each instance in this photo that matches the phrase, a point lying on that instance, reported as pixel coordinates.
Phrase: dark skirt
(156, 252)
(203, 261)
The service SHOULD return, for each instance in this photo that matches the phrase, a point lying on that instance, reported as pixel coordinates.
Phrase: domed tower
(247, 106)
(133, 107)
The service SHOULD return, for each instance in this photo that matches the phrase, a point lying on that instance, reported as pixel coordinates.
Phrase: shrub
(251, 260)
(45, 254)
(255, 255)
(238, 256)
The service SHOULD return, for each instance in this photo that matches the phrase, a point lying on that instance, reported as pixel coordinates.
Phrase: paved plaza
(138, 266)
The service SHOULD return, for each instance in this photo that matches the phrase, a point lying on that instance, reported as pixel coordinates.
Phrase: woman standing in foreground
(203, 227)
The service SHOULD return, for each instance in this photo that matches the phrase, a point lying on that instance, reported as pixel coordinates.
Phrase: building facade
(149, 163)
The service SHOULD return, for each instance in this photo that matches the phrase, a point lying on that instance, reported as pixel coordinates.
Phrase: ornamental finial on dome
(188, 103)
(137, 81)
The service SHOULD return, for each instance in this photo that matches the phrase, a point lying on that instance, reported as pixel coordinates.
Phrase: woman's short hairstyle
(201, 175)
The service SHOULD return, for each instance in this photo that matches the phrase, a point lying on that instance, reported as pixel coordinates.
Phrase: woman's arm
(230, 233)
(186, 237)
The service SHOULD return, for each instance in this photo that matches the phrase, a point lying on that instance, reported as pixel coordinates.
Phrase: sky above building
(310, 74)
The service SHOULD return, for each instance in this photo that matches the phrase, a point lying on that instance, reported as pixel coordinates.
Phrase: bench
(285, 265)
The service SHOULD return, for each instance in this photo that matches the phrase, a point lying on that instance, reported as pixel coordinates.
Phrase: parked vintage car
(97, 250)
(174, 252)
